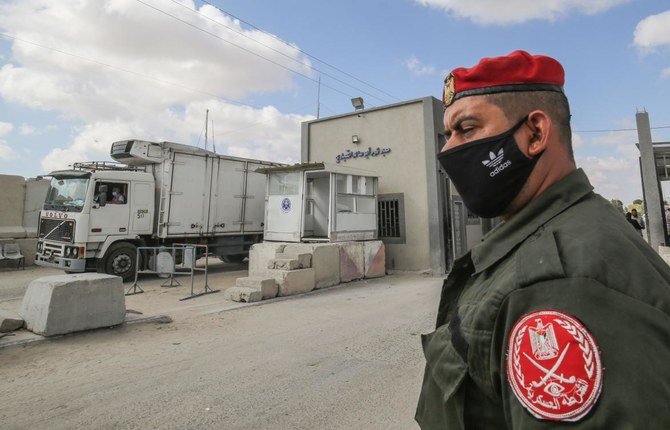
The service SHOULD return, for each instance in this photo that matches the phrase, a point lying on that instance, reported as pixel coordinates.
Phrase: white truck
(97, 214)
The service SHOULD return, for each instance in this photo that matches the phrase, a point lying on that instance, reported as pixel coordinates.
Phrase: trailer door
(189, 195)
(254, 210)
(227, 196)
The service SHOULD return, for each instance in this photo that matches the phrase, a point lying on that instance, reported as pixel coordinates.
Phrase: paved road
(344, 358)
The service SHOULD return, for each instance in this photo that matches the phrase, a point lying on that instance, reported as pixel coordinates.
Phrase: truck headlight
(75, 251)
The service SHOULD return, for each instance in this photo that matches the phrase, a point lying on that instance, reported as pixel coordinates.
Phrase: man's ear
(538, 128)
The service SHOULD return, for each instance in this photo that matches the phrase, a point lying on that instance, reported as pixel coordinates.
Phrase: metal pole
(318, 99)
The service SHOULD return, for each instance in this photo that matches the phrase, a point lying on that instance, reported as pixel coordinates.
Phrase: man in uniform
(560, 317)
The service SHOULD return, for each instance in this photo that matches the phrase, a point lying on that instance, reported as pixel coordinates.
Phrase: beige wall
(20, 203)
(403, 170)
(12, 195)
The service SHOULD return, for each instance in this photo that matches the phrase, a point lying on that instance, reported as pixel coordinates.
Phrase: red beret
(518, 71)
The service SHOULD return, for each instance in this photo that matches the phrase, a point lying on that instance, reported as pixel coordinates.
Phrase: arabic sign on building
(362, 154)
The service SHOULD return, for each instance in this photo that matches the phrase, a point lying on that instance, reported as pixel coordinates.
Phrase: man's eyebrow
(461, 120)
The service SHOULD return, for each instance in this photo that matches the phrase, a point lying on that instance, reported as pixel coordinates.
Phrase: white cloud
(418, 68)
(26, 129)
(610, 160)
(613, 177)
(6, 128)
(264, 133)
(160, 51)
(652, 32)
(517, 11)
(7, 153)
(577, 141)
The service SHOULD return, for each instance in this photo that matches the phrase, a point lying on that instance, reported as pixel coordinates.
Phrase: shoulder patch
(553, 365)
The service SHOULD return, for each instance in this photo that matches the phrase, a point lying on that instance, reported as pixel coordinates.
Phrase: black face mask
(488, 173)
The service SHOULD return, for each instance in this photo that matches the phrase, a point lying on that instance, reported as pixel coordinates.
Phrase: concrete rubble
(244, 294)
(285, 269)
(292, 282)
(325, 260)
(63, 304)
(10, 321)
(267, 286)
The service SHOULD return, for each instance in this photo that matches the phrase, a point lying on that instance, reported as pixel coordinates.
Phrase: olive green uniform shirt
(571, 251)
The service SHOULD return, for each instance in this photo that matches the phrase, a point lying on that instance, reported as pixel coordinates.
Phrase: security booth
(320, 202)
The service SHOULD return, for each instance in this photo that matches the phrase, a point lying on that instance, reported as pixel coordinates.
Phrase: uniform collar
(557, 198)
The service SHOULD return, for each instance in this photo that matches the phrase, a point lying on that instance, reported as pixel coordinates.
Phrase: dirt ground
(347, 357)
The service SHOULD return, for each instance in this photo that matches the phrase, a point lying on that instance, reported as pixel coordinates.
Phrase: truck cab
(87, 210)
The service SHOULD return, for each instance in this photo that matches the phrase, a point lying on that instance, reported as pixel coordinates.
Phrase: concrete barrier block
(352, 261)
(260, 254)
(305, 259)
(325, 261)
(35, 193)
(28, 249)
(16, 232)
(284, 264)
(267, 286)
(375, 259)
(10, 321)
(63, 304)
(243, 294)
(664, 252)
(12, 195)
(294, 281)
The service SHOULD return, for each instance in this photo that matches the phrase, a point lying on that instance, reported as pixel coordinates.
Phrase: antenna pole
(318, 98)
(213, 144)
(206, 122)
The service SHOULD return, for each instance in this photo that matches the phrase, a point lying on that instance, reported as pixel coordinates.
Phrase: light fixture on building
(355, 139)
(357, 103)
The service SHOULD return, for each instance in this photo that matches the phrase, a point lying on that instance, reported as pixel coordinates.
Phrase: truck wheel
(120, 260)
(234, 258)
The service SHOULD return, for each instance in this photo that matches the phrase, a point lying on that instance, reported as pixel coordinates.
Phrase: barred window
(391, 218)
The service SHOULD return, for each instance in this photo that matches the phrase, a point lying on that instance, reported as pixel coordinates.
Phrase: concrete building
(421, 218)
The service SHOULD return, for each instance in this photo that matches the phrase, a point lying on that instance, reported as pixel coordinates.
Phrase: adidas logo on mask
(496, 162)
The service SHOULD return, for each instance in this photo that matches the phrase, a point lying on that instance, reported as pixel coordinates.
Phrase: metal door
(110, 220)
(284, 206)
(227, 196)
(254, 210)
(189, 195)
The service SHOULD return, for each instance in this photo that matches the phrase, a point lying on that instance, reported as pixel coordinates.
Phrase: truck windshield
(66, 194)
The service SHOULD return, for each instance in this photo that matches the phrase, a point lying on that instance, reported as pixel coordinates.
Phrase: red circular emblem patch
(553, 366)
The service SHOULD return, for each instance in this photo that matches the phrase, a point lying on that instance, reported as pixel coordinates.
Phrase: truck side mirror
(102, 195)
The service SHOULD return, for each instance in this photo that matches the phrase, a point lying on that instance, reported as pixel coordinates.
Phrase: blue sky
(135, 72)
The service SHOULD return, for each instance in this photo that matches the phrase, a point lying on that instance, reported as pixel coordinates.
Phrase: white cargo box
(199, 192)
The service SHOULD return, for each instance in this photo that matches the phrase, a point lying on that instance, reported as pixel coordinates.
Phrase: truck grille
(56, 229)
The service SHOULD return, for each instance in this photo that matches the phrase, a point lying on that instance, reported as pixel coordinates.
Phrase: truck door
(141, 207)
(111, 219)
